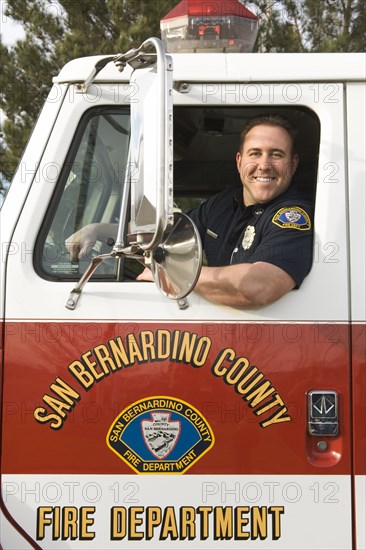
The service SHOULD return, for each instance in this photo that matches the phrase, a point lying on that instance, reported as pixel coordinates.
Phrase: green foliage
(55, 32)
(59, 30)
(310, 25)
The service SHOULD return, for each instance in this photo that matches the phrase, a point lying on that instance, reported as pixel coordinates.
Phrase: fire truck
(140, 415)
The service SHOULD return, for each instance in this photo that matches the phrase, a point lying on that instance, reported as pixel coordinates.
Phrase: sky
(10, 30)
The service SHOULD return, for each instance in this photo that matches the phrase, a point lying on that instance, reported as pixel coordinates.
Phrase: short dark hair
(270, 120)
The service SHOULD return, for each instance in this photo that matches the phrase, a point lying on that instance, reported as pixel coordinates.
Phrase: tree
(59, 30)
(310, 25)
(55, 32)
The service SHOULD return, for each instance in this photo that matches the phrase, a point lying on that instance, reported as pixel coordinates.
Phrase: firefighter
(257, 237)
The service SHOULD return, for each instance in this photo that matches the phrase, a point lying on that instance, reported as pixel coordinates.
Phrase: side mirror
(177, 261)
(168, 242)
(148, 186)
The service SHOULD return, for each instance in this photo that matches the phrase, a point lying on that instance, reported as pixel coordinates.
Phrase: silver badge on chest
(248, 237)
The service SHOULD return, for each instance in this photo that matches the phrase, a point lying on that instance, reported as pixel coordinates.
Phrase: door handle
(323, 413)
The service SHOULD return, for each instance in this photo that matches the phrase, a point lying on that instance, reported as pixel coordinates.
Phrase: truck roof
(235, 67)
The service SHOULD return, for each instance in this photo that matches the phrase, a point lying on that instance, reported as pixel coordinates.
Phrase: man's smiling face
(266, 164)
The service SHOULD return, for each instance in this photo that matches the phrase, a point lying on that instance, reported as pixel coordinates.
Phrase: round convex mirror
(177, 261)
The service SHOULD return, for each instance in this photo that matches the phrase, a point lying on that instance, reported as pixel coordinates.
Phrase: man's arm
(244, 285)
(240, 285)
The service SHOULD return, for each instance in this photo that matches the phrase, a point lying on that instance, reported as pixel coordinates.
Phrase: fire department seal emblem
(160, 434)
(248, 237)
(292, 217)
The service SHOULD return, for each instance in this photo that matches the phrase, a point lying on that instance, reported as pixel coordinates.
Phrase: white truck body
(255, 482)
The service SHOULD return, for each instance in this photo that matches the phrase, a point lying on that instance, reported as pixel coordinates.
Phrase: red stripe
(294, 358)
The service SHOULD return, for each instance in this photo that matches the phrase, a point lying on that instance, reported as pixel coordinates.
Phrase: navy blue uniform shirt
(279, 232)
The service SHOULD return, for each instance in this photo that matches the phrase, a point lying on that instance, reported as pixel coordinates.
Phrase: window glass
(91, 189)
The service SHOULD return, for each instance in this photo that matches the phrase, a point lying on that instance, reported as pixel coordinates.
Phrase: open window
(206, 140)
(91, 183)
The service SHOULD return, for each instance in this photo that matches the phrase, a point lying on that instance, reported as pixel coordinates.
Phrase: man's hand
(81, 243)
(145, 275)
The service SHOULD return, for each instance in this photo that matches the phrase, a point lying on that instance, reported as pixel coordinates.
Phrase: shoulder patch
(292, 217)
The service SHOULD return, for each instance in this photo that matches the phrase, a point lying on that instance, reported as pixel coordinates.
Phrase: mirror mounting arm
(136, 57)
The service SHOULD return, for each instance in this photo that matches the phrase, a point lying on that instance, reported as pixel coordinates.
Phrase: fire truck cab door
(129, 422)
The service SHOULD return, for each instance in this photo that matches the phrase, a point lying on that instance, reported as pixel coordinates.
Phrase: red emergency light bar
(209, 26)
